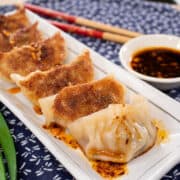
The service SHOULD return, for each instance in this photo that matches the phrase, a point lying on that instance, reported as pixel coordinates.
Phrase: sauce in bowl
(160, 62)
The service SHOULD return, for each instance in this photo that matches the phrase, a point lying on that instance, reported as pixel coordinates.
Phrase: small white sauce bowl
(145, 41)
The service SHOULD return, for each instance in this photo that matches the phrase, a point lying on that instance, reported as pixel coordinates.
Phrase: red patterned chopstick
(50, 13)
(90, 32)
(81, 21)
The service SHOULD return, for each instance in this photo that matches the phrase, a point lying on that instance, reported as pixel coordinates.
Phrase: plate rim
(107, 63)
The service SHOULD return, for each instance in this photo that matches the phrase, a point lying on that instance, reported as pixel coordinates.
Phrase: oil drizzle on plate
(109, 170)
(61, 134)
(37, 109)
(162, 133)
(14, 90)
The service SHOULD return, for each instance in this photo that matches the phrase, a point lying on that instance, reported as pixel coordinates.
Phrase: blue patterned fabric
(34, 160)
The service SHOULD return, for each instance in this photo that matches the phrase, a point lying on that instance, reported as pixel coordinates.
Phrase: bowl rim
(142, 76)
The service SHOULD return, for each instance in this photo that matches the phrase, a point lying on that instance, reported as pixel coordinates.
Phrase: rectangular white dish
(151, 165)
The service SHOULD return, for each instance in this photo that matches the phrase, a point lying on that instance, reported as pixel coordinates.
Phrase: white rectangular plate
(151, 165)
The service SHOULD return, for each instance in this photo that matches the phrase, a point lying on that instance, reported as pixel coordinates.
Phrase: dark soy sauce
(160, 62)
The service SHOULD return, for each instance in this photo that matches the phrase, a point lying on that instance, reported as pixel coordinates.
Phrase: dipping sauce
(158, 62)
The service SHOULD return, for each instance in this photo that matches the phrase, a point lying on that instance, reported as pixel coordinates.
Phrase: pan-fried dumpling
(11, 23)
(40, 84)
(26, 35)
(37, 56)
(80, 100)
(23, 36)
(117, 133)
(4, 43)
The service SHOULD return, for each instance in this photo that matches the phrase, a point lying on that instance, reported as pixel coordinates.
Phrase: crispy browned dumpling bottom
(23, 36)
(37, 56)
(80, 100)
(41, 84)
(11, 23)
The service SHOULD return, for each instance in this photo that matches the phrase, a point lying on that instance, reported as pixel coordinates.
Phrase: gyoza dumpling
(4, 43)
(20, 37)
(117, 133)
(26, 35)
(37, 56)
(11, 23)
(40, 84)
(80, 100)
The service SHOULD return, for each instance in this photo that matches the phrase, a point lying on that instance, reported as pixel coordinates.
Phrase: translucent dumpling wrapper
(41, 84)
(117, 133)
(80, 100)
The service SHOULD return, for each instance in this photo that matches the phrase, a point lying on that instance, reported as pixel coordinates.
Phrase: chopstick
(177, 7)
(90, 32)
(80, 20)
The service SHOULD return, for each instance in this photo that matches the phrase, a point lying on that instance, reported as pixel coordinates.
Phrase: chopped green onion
(7, 145)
